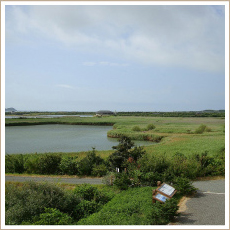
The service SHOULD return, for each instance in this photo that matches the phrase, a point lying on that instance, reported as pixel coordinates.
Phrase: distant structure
(10, 110)
(104, 112)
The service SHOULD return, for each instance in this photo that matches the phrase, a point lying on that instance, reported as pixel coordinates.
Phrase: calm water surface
(58, 138)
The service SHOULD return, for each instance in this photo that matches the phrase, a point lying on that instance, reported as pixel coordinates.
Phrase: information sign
(160, 197)
(166, 190)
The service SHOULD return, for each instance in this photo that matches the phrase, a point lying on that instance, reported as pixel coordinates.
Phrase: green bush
(202, 128)
(45, 164)
(91, 193)
(136, 128)
(164, 213)
(183, 166)
(99, 170)
(52, 216)
(92, 199)
(86, 208)
(14, 163)
(86, 192)
(85, 166)
(49, 163)
(68, 165)
(122, 181)
(133, 207)
(32, 164)
(23, 203)
(149, 179)
(183, 186)
(150, 127)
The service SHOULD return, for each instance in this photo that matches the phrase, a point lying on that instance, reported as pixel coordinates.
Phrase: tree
(124, 151)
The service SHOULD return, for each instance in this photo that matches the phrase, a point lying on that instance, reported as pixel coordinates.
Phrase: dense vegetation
(43, 203)
(187, 148)
(33, 203)
(186, 143)
(204, 113)
(151, 167)
(133, 207)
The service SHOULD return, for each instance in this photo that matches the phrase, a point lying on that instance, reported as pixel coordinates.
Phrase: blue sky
(116, 57)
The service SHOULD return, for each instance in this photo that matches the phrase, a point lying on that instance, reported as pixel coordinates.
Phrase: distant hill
(10, 110)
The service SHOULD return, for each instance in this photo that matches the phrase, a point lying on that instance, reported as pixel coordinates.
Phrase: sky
(115, 57)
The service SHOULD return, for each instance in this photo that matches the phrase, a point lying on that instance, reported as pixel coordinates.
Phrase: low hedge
(133, 207)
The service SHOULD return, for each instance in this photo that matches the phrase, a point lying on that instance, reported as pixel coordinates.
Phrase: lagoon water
(58, 138)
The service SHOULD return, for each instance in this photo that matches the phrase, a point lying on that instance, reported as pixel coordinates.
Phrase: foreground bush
(44, 203)
(164, 213)
(184, 186)
(23, 203)
(133, 207)
(51, 216)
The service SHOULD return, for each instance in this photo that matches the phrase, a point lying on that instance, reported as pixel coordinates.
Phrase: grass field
(174, 134)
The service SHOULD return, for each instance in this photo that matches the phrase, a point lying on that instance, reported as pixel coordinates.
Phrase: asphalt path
(206, 207)
(64, 180)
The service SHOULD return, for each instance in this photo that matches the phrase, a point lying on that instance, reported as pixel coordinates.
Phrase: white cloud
(187, 36)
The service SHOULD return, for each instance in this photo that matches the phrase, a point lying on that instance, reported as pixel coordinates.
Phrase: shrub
(86, 208)
(122, 181)
(85, 166)
(68, 165)
(164, 213)
(49, 163)
(14, 163)
(149, 179)
(183, 166)
(135, 178)
(30, 200)
(86, 192)
(92, 199)
(150, 127)
(133, 207)
(184, 186)
(32, 164)
(52, 216)
(99, 170)
(202, 128)
(136, 128)
(207, 129)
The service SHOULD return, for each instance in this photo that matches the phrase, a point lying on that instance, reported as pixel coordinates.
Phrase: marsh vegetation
(186, 148)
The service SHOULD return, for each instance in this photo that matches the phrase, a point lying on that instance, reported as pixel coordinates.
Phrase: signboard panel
(166, 190)
(160, 197)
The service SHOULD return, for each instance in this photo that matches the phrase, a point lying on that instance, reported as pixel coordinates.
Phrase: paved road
(207, 207)
(55, 179)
